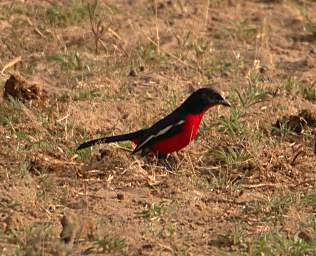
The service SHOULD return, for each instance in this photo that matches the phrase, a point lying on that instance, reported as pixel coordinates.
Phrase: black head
(204, 98)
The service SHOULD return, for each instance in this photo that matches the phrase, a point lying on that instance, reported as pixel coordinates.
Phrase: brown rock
(19, 88)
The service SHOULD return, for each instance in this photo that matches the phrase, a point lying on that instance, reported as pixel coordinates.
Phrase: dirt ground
(70, 72)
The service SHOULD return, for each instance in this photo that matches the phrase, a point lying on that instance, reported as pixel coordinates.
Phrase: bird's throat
(192, 124)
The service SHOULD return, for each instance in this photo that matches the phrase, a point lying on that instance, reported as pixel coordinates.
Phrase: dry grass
(245, 187)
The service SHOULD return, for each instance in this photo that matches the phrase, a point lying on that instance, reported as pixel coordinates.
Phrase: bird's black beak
(225, 103)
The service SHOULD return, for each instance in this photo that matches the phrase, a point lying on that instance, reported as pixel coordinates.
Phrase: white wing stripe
(161, 132)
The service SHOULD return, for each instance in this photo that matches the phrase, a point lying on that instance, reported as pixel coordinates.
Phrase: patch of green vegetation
(221, 181)
(309, 199)
(245, 30)
(70, 147)
(184, 40)
(44, 145)
(255, 207)
(277, 243)
(83, 155)
(72, 13)
(309, 92)
(152, 211)
(238, 29)
(309, 24)
(87, 93)
(311, 27)
(184, 252)
(11, 112)
(235, 239)
(81, 94)
(253, 92)
(17, 7)
(24, 167)
(69, 61)
(217, 66)
(291, 84)
(111, 244)
(205, 60)
(274, 242)
(47, 183)
(273, 209)
(232, 157)
(30, 239)
(219, 177)
(161, 232)
(149, 53)
(285, 130)
(278, 205)
(57, 14)
(21, 135)
(201, 46)
(232, 124)
(171, 230)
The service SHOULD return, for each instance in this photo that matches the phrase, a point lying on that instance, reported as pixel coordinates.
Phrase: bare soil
(246, 186)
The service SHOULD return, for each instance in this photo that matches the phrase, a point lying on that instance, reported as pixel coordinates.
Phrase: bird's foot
(164, 161)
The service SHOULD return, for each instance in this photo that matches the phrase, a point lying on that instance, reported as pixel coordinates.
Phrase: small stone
(120, 196)
(132, 73)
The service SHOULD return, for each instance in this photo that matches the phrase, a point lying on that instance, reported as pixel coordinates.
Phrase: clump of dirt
(19, 88)
(309, 117)
(296, 123)
(40, 163)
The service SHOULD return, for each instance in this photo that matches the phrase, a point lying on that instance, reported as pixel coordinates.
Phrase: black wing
(163, 129)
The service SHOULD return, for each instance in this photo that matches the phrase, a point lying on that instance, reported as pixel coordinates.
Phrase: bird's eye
(218, 97)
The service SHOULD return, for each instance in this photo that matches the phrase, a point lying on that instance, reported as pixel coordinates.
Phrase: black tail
(128, 136)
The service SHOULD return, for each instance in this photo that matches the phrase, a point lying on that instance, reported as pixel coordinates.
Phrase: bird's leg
(176, 157)
(163, 159)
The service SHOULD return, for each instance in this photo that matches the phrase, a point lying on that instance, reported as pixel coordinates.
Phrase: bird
(173, 132)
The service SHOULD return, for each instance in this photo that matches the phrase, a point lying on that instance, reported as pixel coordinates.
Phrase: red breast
(181, 140)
